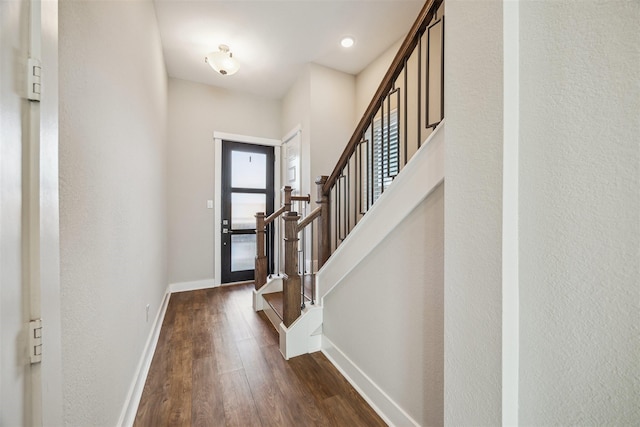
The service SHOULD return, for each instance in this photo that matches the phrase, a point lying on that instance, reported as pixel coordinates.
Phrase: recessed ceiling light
(347, 41)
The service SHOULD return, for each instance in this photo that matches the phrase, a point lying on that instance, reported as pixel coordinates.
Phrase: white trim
(131, 403)
(218, 137)
(302, 336)
(256, 140)
(291, 134)
(421, 176)
(274, 284)
(192, 286)
(271, 315)
(217, 229)
(510, 214)
(51, 366)
(385, 407)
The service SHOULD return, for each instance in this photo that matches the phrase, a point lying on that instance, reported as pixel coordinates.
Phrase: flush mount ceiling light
(347, 41)
(223, 61)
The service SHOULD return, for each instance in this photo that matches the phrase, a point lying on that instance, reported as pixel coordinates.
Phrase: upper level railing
(406, 108)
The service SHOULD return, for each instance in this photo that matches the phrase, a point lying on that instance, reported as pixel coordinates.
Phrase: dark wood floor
(217, 363)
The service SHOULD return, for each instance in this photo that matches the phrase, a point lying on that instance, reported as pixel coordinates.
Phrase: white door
(291, 163)
(29, 247)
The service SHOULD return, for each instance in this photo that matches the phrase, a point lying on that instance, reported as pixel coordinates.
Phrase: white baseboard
(381, 402)
(130, 408)
(192, 286)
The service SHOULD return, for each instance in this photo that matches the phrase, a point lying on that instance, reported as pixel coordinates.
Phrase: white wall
(579, 213)
(368, 80)
(296, 110)
(386, 315)
(195, 112)
(113, 113)
(332, 116)
(321, 101)
(473, 212)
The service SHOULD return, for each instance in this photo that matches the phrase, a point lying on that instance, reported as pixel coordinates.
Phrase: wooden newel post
(292, 287)
(324, 224)
(261, 259)
(287, 198)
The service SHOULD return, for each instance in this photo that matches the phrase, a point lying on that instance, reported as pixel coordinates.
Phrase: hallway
(217, 363)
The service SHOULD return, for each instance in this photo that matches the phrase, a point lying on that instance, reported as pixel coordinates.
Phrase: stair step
(275, 300)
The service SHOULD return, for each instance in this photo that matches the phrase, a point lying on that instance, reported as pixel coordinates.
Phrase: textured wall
(332, 118)
(386, 315)
(322, 102)
(368, 80)
(578, 223)
(473, 212)
(580, 213)
(296, 110)
(113, 112)
(195, 112)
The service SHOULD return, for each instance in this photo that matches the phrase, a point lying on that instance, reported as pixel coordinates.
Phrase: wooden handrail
(276, 214)
(306, 198)
(406, 49)
(309, 218)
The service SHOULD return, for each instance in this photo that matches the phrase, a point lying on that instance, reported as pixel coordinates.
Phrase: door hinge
(35, 341)
(34, 79)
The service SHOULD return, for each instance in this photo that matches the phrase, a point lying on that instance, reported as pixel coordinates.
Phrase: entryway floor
(217, 363)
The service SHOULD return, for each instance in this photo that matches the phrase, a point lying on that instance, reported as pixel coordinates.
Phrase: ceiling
(273, 40)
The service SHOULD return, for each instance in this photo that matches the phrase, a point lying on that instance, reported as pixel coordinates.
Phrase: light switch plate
(209, 204)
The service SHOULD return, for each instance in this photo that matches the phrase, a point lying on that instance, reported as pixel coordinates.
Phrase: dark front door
(247, 188)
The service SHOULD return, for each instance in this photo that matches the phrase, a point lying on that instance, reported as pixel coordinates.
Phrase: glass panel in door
(244, 207)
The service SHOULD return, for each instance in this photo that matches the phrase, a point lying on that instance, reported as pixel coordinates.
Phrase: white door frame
(218, 137)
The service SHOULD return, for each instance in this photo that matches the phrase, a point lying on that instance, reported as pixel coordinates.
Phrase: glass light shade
(223, 61)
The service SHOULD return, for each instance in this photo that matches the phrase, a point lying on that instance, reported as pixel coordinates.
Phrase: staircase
(399, 123)
(274, 301)
(304, 335)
